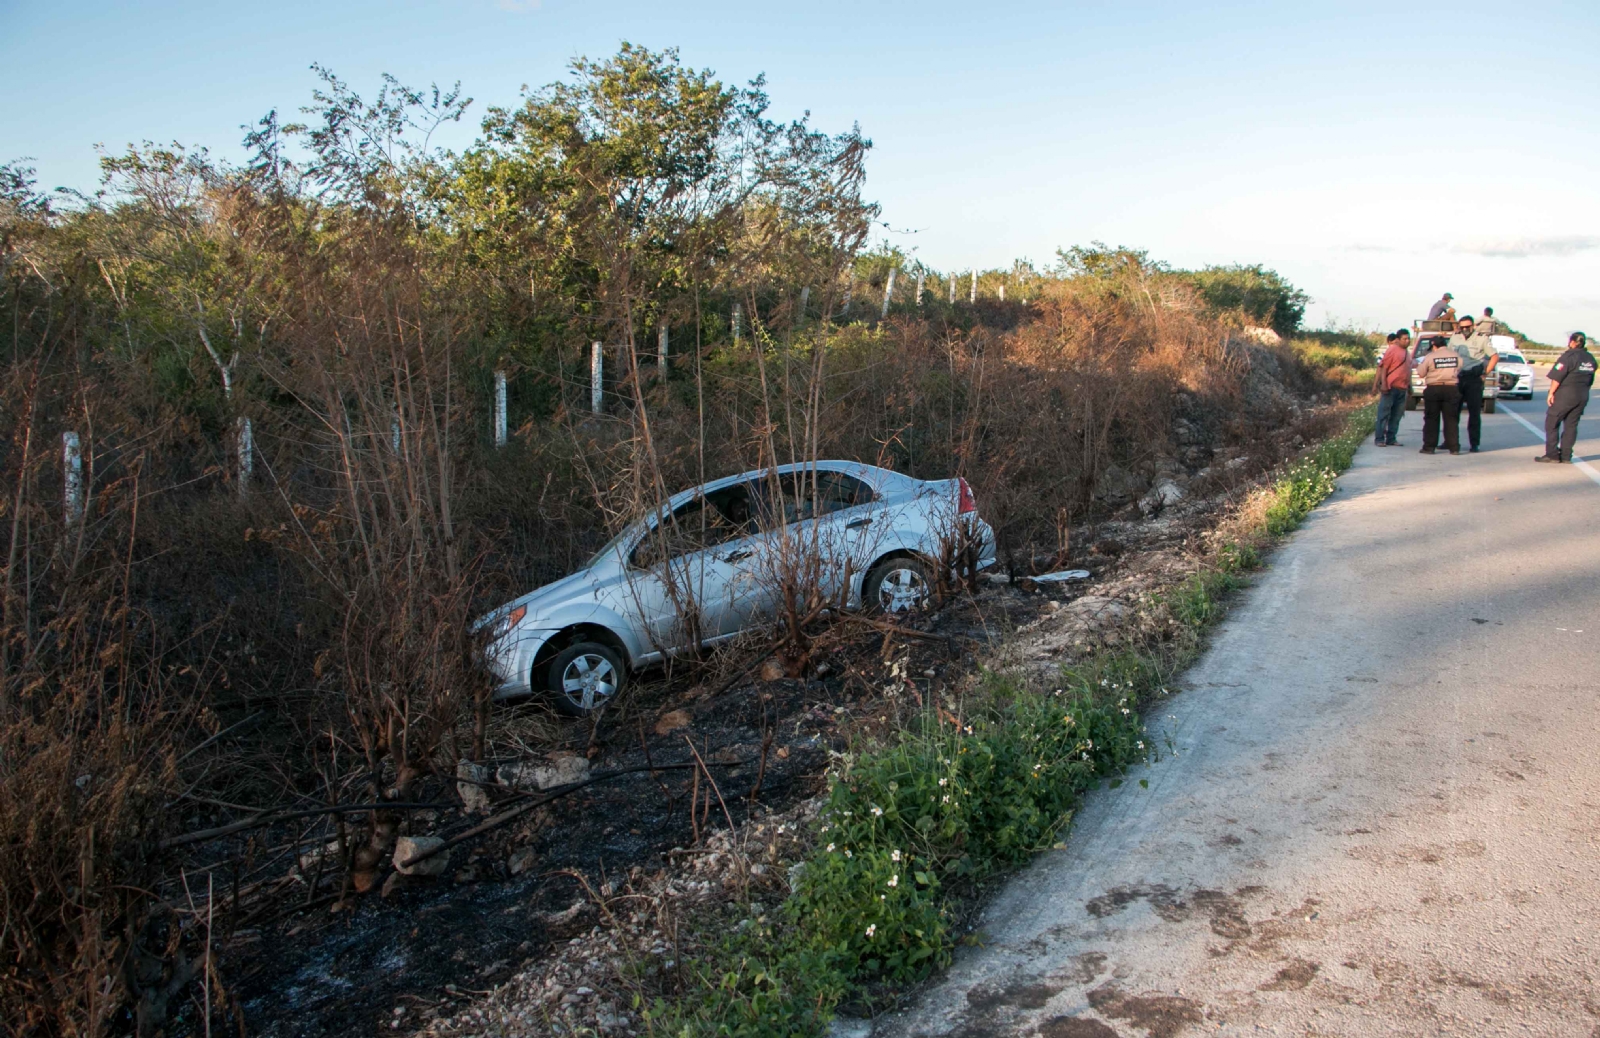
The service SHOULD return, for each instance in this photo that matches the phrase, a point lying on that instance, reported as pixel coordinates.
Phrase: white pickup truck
(1425, 333)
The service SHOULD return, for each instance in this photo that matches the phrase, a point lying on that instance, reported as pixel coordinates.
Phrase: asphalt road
(1378, 808)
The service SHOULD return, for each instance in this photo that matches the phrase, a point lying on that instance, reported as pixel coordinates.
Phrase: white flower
(1124, 711)
(894, 881)
(877, 811)
(847, 853)
(946, 798)
(894, 856)
(872, 929)
(1141, 744)
(830, 848)
(944, 781)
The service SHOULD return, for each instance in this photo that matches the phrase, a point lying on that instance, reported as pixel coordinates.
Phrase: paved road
(1379, 812)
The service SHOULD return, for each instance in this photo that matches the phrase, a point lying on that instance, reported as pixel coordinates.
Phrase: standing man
(1570, 379)
(1440, 371)
(1393, 383)
(1478, 360)
(1442, 309)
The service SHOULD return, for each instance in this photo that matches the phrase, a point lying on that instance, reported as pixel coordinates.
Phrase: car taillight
(967, 502)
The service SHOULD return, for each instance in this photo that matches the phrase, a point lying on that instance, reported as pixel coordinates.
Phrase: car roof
(877, 478)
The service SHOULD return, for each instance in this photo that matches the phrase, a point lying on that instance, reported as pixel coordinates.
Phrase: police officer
(1570, 380)
(1440, 371)
(1478, 359)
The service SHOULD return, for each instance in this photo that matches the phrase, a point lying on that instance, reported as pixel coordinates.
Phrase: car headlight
(509, 624)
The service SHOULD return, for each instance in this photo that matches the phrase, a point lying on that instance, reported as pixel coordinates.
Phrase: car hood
(546, 599)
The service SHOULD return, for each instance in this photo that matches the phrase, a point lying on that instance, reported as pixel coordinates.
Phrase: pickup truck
(1426, 333)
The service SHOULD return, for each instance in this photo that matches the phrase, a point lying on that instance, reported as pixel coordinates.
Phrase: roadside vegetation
(253, 495)
(913, 825)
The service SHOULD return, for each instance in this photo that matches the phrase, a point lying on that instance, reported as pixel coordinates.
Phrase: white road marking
(1587, 468)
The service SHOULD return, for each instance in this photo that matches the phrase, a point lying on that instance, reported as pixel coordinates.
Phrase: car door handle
(736, 556)
(858, 524)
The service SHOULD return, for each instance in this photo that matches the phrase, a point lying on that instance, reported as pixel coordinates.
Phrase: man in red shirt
(1393, 383)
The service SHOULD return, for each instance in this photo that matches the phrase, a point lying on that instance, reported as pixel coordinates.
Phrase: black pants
(1472, 403)
(1441, 402)
(1561, 425)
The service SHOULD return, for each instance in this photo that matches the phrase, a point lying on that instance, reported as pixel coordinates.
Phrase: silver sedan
(724, 558)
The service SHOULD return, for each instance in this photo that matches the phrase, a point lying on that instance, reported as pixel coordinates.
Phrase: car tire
(584, 677)
(897, 586)
(1411, 403)
(1488, 407)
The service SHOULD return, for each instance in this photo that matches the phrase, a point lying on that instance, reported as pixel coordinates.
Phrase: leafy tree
(1263, 296)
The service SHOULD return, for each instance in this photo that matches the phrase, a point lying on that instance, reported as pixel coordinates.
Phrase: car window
(1512, 358)
(703, 522)
(798, 496)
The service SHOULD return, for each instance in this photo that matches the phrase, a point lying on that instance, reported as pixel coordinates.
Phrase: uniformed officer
(1440, 371)
(1570, 379)
(1478, 360)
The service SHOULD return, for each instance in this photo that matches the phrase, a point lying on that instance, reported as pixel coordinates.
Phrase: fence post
(952, 290)
(394, 430)
(499, 408)
(738, 323)
(805, 300)
(71, 477)
(247, 455)
(663, 357)
(888, 291)
(596, 377)
(921, 277)
(974, 296)
(1002, 291)
(849, 290)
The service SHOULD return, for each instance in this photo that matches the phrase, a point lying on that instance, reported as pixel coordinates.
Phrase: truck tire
(1488, 406)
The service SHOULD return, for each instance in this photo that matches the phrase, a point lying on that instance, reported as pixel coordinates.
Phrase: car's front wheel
(585, 676)
(900, 585)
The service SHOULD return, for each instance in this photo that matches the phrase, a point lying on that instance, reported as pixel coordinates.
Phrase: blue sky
(1376, 154)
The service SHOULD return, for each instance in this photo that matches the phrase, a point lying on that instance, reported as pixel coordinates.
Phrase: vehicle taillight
(967, 502)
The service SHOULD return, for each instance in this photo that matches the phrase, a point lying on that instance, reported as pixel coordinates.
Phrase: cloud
(1371, 248)
(1524, 248)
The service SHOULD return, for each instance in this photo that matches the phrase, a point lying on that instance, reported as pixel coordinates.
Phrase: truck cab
(1425, 334)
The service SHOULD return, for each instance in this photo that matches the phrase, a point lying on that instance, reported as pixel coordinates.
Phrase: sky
(1376, 154)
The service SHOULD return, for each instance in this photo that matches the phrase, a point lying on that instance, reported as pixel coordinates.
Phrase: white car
(717, 559)
(1516, 375)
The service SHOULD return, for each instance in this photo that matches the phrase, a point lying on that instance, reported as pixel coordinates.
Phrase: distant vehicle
(709, 565)
(1425, 334)
(1516, 374)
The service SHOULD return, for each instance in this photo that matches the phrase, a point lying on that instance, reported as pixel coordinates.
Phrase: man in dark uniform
(1570, 379)
(1440, 371)
(1478, 359)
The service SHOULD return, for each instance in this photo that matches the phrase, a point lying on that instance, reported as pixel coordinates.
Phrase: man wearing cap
(1478, 361)
(1442, 309)
(1570, 379)
(1393, 383)
(1440, 371)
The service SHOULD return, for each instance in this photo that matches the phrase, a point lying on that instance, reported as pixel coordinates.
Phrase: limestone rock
(474, 798)
(672, 721)
(408, 847)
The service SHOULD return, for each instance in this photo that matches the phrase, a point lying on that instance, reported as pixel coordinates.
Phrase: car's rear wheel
(899, 585)
(584, 677)
(1411, 403)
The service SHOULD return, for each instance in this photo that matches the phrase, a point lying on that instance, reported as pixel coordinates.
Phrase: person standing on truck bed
(1440, 371)
(1478, 361)
(1570, 379)
(1442, 309)
(1393, 383)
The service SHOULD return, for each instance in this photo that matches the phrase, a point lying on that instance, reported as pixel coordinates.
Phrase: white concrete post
(738, 323)
(499, 409)
(663, 360)
(596, 377)
(805, 300)
(247, 455)
(1002, 291)
(952, 290)
(71, 477)
(888, 291)
(921, 277)
(849, 290)
(974, 296)
(394, 431)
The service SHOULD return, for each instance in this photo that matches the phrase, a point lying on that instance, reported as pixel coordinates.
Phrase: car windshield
(1512, 358)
